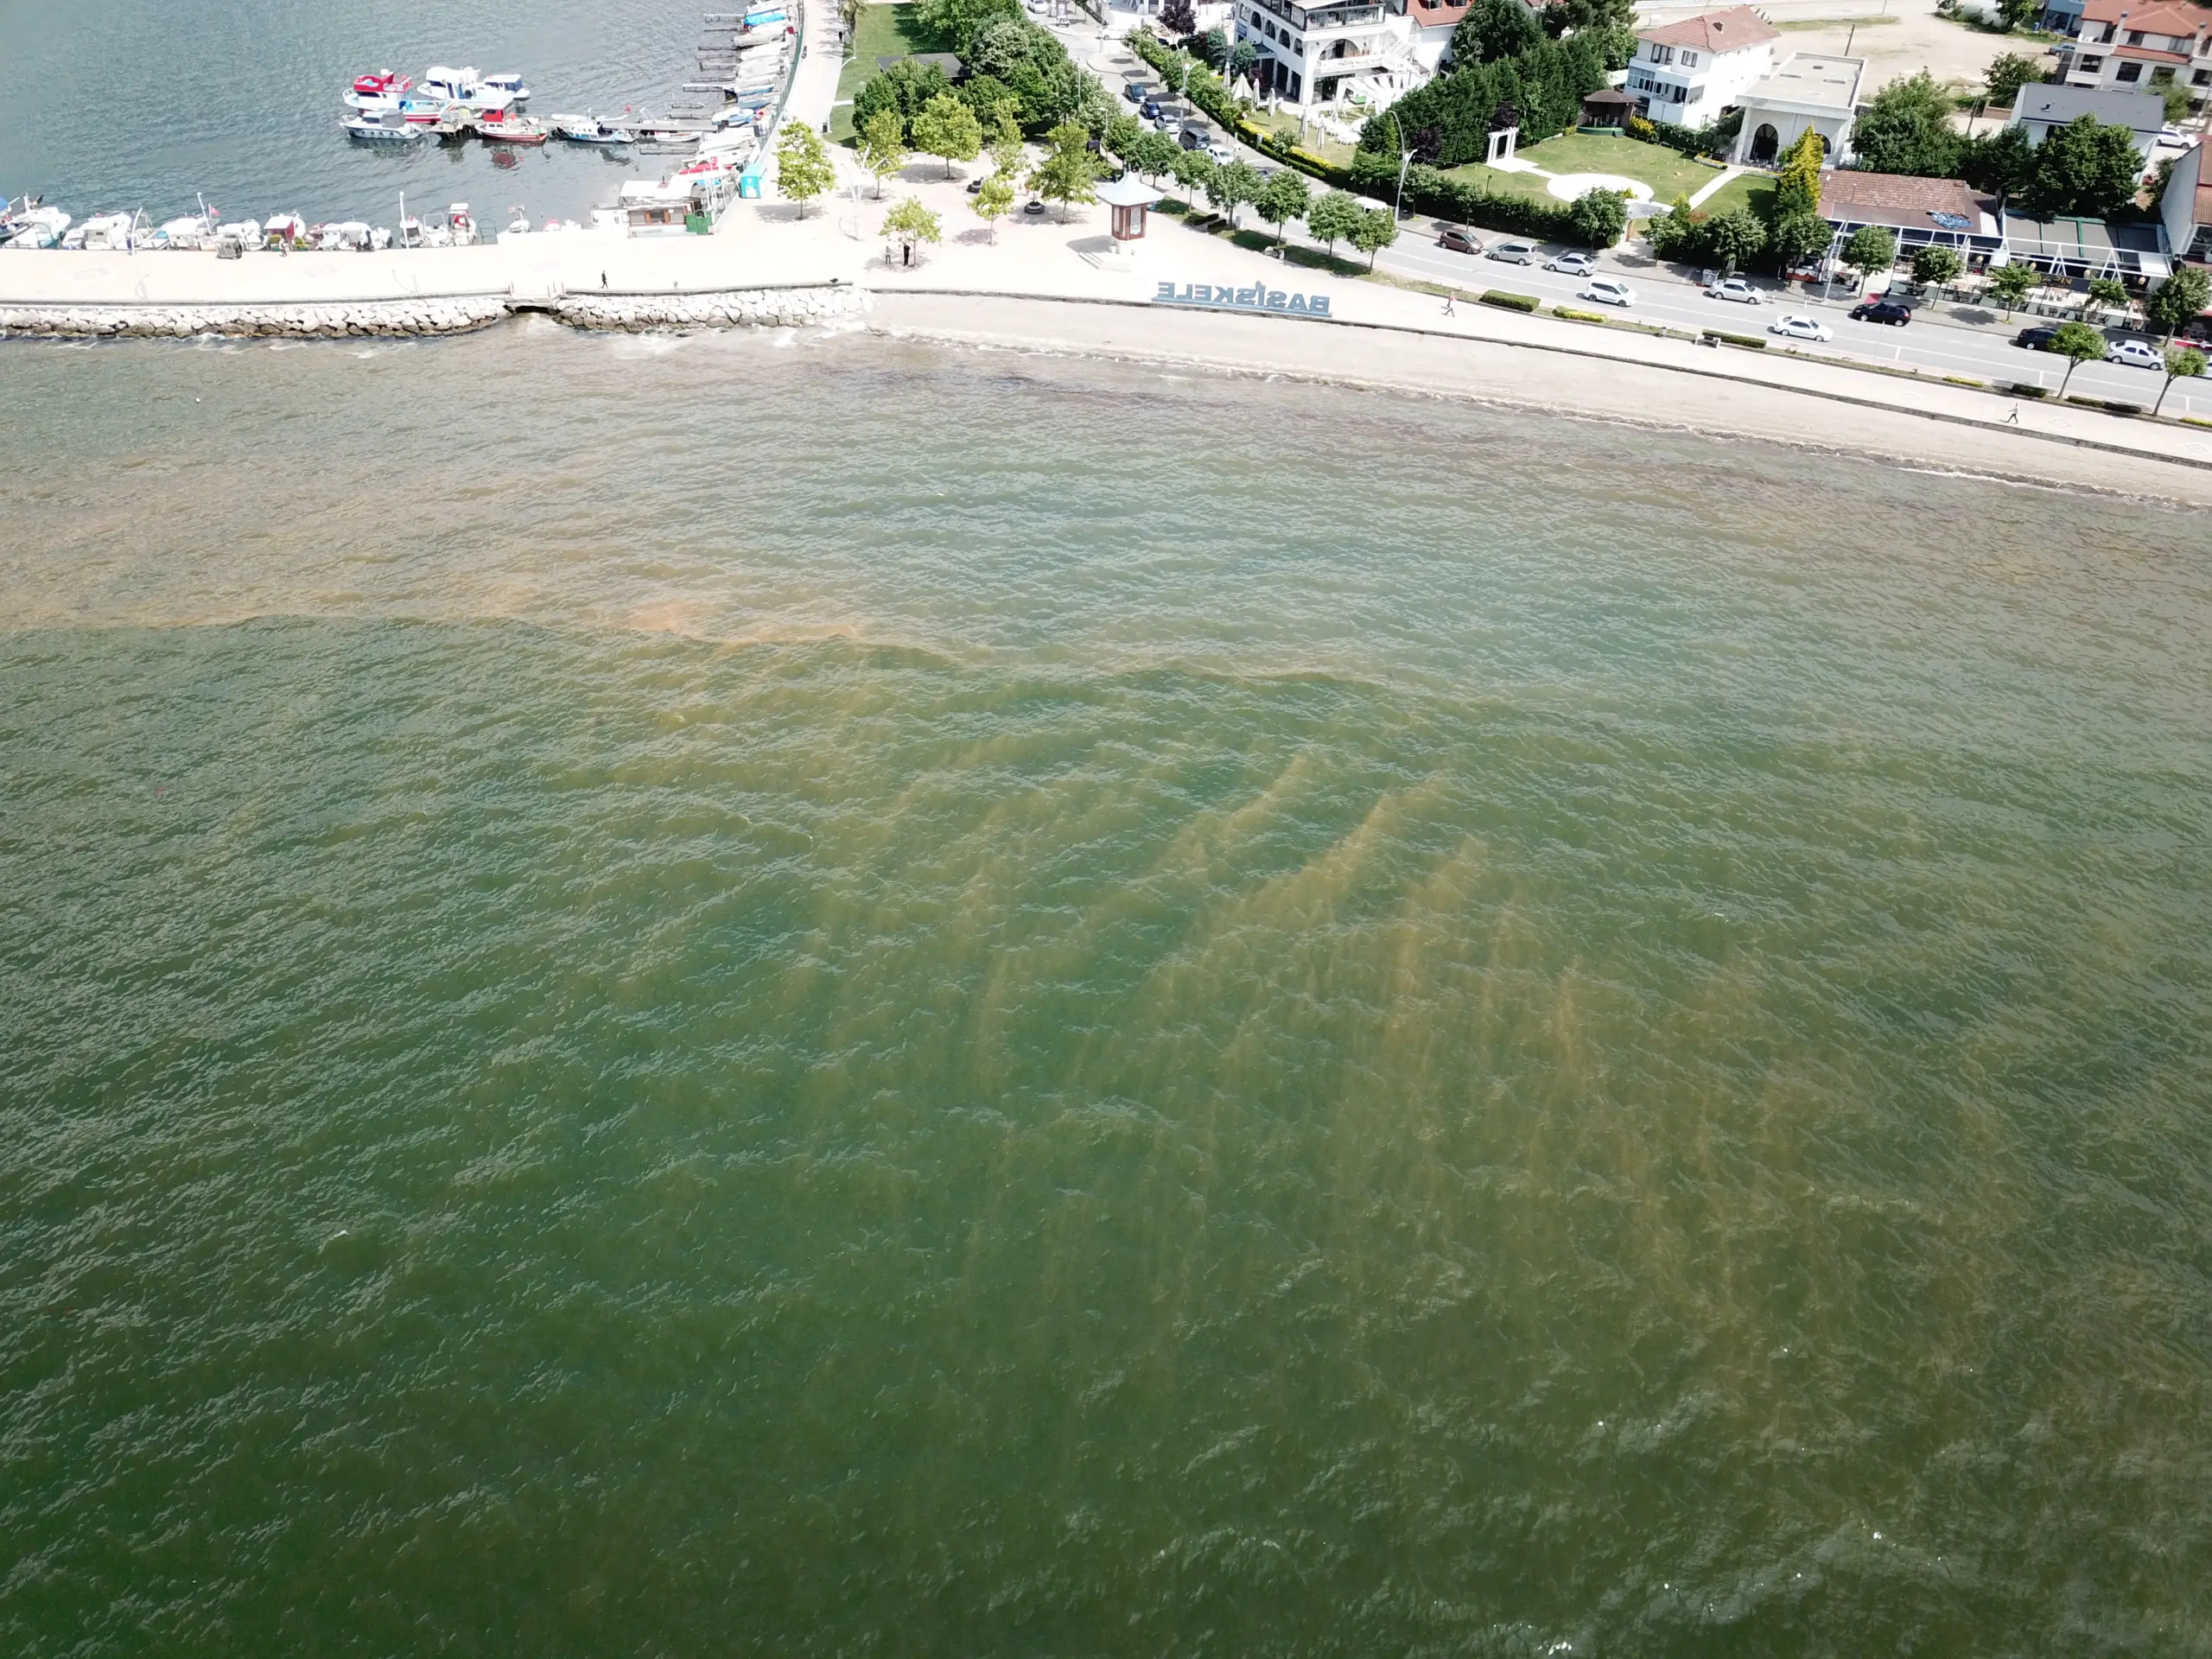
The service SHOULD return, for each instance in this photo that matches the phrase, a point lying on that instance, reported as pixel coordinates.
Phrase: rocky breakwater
(755, 307)
(327, 321)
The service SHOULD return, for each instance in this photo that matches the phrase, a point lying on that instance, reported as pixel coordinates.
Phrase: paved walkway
(1719, 183)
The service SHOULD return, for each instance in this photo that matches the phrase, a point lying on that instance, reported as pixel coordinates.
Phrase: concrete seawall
(738, 308)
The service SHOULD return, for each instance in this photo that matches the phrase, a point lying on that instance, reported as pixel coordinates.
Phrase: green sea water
(762, 995)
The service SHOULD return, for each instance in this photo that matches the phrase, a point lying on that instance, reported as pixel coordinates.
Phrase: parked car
(1459, 241)
(1515, 253)
(1220, 153)
(1736, 289)
(1573, 264)
(2035, 339)
(1150, 107)
(1608, 290)
(1133, 90)
(2134, 354)
(1887, 311)
(1796, 327)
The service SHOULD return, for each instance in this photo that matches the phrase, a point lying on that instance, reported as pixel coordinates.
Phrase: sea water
(776, 995)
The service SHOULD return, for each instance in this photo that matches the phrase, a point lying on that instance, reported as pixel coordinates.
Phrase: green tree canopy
(948, 130)
(2011, 284)
(1376, 230)
(2184, 363)
(2002, 162)
(2077, 343)
(1795, 238)
(1228, 185)
(909, 221)
(1068, 170)
(883, 147)
(994, 200)
(1600, 216)
(1870, 248)
(2179, 300)
(957, 22)
(1935, 265)
(1334, 217)
(2086, 168)
(1494, 30)
(906, 87)
(803, 170)
(1736, 237)
(1281, 198)
(2006, 75)
(1906, 128)
(1797, 183)
(2018, 14)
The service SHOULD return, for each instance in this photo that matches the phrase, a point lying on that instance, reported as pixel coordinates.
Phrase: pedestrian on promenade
(1449, 310)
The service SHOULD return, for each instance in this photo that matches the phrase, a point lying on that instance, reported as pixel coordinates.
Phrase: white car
(1220, 153)
(1607, 291)
(2136, 355)
(1799, 329)
(1736, 289)
(1572, 264)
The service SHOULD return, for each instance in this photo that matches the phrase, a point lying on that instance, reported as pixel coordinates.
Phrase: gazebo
(1128, 196)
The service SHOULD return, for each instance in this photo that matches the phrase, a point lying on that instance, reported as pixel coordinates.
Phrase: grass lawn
(1286, 127)
(1753, 190)
(1503, 184)
(881, 32)
(1668, 172)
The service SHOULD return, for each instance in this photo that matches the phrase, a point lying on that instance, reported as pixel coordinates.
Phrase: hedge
(1573, 315)
(1510, 302)
(2029, 391)
(1749, 342)
(1429, 191)
(2110, 405)
(1710, 142)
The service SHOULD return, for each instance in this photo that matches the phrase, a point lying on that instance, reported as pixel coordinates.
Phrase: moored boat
(509, 84)
(592, 131)
(463, 86)
(505, 129)
(37, 228)
(385, 127)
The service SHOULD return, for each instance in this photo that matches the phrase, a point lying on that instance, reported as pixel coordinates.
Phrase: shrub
(2110, 405)
(1600, 216)
(1964, 380)
(1573, 315)
(1749, 342)
(1498, 297)
(2029, 391)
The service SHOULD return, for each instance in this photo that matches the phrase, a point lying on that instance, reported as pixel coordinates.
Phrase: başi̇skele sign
(1243, 299)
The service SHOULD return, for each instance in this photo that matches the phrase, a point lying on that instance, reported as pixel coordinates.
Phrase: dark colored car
(1459, 242)
(1151, 109)
(1887, 311)
(1133, 90)
(2035, 339)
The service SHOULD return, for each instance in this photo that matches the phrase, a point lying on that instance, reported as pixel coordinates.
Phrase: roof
(1608, 97)
(2156, 17)
(1810, 77)
(2092, 242)
(1431, 14)
(1903, 202)
(2056, 106)
(1714, 31)
(1127, 191)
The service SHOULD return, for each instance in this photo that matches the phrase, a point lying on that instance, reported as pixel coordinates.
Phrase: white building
(1426, 27)
(1310, 54)
(2141, 46)
(1689, 73)
(1806, 90)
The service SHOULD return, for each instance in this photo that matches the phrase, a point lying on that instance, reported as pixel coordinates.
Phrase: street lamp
(1398, 206)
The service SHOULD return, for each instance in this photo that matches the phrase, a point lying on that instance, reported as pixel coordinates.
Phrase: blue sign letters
(1242, 299)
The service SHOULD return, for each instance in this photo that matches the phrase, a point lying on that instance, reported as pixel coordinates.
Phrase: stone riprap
(762, 306)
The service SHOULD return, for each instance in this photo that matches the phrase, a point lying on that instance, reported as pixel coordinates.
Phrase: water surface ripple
(845, 998)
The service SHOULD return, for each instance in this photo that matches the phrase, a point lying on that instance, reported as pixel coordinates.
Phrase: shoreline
(1542, 378)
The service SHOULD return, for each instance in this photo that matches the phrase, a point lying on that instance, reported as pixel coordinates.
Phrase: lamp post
(1398, 206)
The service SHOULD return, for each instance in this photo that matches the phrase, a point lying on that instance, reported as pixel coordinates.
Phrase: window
(1662, 54)
(2090, 66)
(2135, 37)
(2204, 78)
(1689, 59)
(2128, 73)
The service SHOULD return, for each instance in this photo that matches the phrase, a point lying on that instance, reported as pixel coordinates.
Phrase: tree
(1179, 18)
(1935, 265)
(959, 22)
(1156, 153)
(948, 128)
(1228, 185)
(2177, 99)
(2001, 163)
(1376, 230)
(1600, 216)
(1906, 128)
(2182, 364)
(2077, 343)
(1797, 184)
(2087, 168)
(2018, 14)
(906, 86)
(1735, 236)
(2011, 284)
(2179, 301)
(2006, 75)
(909, 222)
(883, 147)
(1281, 198)
(1008, 153)
(1870, 248)
(1333, 218)
(1678, 233)
(1193, 170)
(1798, 238)
(803, 171)
(1493, 30)
(994, 200)
(1068, 170)
(2104, 291)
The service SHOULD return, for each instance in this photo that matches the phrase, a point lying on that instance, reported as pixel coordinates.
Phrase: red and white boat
(381, 90)
(505, 127)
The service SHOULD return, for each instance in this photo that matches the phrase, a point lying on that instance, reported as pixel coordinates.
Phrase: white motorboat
(384, 127)
(461, 87)
(190, 232)
(461, 225)
(348, 236)
(104, 232)
(510, 84)
(282, 230)
(37, 228)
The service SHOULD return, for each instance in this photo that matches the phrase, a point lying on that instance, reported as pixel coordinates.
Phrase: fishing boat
(500, 128)
(590, 130)
(103, 232)
(37, 228)
(385, 127)
(190, 232)
(461, 225)
(385, 83)
(282, 230)
(425, 111)
(510, 84)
